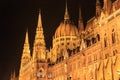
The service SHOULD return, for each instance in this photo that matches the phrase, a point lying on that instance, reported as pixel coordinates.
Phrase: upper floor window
(113, 36)
(41, 73)
(98, 37)
(93, 40)
(88, 42)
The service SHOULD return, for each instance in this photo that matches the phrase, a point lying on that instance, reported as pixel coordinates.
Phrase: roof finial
(26, 38)
(39, 19)
(80, 15)
(80, 22)
(66, 16)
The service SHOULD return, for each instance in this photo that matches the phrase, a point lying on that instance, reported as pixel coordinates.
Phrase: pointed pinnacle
(80, 15)
(26, 37)
(66, 16)
(39, 19)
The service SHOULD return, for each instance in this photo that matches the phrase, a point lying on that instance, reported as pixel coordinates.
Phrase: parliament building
(90, 52)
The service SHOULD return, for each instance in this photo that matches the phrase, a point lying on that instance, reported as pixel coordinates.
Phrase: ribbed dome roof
(66, 29)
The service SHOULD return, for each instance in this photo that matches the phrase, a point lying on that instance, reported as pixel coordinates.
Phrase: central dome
(66, 28)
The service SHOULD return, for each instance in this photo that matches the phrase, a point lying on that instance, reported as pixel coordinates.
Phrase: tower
(39, 53)
(39, 49)
(25, 57)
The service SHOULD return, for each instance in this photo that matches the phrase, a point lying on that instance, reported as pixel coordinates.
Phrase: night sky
(18, 15)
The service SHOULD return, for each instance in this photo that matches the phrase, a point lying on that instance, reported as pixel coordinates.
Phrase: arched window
(113, 36)
(88, 43)
(41, 73)
(98, 37)
(93, 40)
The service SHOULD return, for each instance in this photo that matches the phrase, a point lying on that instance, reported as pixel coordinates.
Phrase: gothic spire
(26, 51)
(39, 37)
(26, 45)
(25, 55)
(39, 49)
(26, 38)
(66, 16)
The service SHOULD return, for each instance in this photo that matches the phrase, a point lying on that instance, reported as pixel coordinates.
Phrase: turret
(107, 6)
(98, 8)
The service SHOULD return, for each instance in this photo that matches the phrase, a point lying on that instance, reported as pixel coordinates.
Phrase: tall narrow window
(105, 41)
(93, 40)
(114, 52)
(98, 37)
(113, 36)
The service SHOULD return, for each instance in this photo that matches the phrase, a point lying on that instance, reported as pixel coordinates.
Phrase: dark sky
(18, 15)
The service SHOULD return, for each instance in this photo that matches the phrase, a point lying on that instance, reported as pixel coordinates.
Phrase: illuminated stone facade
(77, 54)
